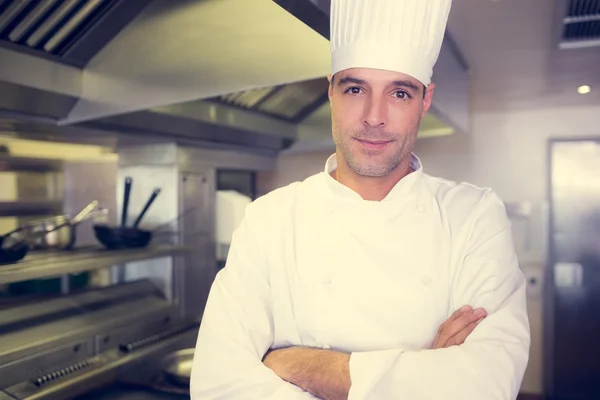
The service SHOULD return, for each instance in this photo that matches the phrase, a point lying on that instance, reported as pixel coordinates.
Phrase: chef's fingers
(441, 338)
(452, 327)
(463, 321)
(461, 336)
(459, 312)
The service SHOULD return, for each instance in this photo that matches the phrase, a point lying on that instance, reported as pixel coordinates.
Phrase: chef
(371, 279)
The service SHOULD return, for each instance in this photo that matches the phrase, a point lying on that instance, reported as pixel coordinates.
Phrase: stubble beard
(371, 165)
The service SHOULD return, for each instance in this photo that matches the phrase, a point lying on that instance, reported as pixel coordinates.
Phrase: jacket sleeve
(237, 328)
(492, 361)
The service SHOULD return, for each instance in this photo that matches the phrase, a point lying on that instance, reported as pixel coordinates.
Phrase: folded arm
(237, 330)
(490, 363)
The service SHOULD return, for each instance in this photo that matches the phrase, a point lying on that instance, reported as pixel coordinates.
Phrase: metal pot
(177, 366)
(55, 233)
(59, 233)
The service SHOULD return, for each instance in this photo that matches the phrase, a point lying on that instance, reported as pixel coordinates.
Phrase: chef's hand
(455, 329)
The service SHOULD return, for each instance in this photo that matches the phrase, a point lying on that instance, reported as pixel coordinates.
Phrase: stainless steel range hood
(211, 72)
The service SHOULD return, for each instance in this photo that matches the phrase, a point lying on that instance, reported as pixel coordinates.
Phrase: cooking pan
(177, 366)
(123, 236)
(60, 232)
(14, 252)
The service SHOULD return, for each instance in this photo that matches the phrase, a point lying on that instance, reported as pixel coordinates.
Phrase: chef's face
(375, 118)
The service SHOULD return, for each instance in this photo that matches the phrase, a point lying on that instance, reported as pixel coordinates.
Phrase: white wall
(506, 151)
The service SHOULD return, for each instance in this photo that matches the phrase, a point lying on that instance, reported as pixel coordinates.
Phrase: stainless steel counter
(124, 392)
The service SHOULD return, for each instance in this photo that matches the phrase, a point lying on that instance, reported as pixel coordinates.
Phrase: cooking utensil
(177, 366)
(13, 253)
(114, 238)
(59, 233)
(124, 237)
(128, 183)
(146, 207)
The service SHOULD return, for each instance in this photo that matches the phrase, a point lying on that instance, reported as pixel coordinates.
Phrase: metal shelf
(30, 208)
(49, 264)
(27, 164)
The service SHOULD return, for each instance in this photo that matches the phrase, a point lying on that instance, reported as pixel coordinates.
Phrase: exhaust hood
(210, 72)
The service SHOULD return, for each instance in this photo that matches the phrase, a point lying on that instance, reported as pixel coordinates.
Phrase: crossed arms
(237, 332)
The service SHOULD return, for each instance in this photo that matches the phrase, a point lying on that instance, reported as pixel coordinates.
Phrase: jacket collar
(407, 187)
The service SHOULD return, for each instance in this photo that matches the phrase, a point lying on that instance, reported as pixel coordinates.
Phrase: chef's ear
(331, 80)
(427, 98)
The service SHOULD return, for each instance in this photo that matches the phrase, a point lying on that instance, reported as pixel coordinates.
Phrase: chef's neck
(369, 187)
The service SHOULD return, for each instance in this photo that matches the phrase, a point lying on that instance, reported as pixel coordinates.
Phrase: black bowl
(122, 238)
(13, 253)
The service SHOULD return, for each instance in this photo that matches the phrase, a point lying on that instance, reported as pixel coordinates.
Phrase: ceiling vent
(581, 24)
(291, 102)
(68, 31)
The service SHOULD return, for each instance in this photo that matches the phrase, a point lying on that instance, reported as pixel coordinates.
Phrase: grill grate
(581, 24)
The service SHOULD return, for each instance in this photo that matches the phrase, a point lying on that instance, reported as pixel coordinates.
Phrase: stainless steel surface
(51, 264)
(66, 345)
(24, 368)
(30, 208)
(32, 328)
(87, 180)
(17, 164)
(58, 29)
(572, 290)
(33, 104)
(146, 178)
(190, 127)
(193, 172)
(177, 366)
(103, 370)
(53, 233)
(192, 159)
(199, 269)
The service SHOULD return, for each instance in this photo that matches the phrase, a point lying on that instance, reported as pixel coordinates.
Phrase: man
(370, 280)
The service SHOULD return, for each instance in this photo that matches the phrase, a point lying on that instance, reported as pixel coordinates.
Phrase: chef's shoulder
(272, 209)
(465, 204)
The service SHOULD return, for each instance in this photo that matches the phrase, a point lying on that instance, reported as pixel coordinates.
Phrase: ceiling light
(585, 89)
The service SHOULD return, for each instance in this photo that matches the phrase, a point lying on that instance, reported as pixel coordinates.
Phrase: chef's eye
(401, 94)
(353, 90)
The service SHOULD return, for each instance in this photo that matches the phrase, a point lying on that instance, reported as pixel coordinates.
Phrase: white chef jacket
(313, 264)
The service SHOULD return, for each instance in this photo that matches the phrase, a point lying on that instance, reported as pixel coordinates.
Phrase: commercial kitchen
(133, 133)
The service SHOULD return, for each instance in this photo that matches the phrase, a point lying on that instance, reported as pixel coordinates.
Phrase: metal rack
(30, 208)
(28, 164)
(53, 264)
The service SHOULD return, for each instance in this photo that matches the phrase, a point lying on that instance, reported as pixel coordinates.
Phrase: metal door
(572, 301)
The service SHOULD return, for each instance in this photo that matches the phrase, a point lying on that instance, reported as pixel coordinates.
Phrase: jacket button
(426, 280)
(420, 208)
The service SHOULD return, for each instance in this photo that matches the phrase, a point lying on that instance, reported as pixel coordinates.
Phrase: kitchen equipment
(123, 236)
(59, 233)
(177, 366)
(14, 252)
(65, 347)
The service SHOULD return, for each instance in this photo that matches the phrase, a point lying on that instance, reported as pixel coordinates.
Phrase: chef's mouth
(373, 141)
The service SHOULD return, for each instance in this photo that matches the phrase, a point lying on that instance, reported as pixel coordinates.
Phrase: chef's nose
(375, 112)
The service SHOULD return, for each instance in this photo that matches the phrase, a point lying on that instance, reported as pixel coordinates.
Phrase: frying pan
(13, 252)
(177, 366)
(123, 236)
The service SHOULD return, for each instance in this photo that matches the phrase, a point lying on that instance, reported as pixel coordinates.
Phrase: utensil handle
(128, 183)
(146, 207)
(84, 213)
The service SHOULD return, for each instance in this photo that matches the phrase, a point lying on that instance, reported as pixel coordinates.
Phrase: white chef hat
(397, 35)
